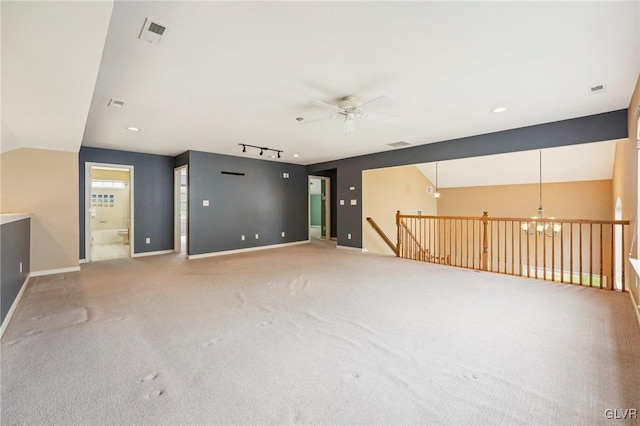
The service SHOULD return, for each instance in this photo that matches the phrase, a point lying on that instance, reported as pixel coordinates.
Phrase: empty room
(229, 212)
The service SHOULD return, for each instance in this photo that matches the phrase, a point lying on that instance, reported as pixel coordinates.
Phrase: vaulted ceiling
(226, 73)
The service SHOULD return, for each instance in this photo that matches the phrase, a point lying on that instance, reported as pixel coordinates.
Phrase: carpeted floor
(314, 335)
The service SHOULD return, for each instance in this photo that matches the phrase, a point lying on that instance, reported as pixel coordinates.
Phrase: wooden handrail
(383, 235)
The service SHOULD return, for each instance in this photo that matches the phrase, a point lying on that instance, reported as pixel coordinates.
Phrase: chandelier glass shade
(539, 224)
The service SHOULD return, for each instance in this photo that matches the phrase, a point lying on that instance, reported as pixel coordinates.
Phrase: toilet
(124, 234)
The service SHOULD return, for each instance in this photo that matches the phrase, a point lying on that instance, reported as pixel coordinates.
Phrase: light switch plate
(349, 236)
(148, 240)
(354, 202)
(352, 188)
(257, 236)
(205, 203)
(342, 202)
(242, 237)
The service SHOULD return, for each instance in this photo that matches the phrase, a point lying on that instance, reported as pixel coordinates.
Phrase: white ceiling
(592, 161)
(51, 54)
(241, 72)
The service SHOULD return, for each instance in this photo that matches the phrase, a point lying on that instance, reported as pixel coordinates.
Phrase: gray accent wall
(595, 128)
(15, 246)
(153, 196)
(259, 202)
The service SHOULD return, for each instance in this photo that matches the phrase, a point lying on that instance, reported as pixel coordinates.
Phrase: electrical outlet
(349, 236)
(342, 202)
(20, 267)
(148, 240)
(242, 237)
(205, 203)
(354, 202)
(283, 233)
(257, 236)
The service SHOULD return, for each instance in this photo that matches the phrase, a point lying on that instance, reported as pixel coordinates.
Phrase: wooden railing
(382, 235)
(570, 251)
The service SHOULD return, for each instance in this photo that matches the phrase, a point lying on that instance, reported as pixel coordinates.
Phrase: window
(111, 184)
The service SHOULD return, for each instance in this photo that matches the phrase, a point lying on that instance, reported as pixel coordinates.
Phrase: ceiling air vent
(152, 31)
(597, 89)
(399, 144)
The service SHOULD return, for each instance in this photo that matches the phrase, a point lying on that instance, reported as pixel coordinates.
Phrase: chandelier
(545, 227)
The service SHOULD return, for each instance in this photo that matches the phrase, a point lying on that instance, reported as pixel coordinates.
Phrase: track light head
(278, 154)
(261, 151)
(244, 148)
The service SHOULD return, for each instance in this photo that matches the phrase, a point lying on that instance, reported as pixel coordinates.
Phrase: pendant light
(549, 229)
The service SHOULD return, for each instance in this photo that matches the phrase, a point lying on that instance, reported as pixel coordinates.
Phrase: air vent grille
(399, 144)
(597, 89)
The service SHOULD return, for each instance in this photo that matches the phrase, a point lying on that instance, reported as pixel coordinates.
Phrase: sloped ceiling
(51, 54)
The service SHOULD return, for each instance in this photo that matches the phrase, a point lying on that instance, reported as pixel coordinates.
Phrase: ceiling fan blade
(374, 103)
(382, 118)
(324, 104)
(319, 119)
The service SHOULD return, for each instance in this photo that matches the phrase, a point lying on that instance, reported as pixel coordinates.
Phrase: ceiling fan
(351, 108)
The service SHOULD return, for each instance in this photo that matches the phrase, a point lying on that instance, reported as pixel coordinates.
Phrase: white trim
(350, 248)
(13, 217)
(55, 271)
(327, 205)
(177, 229)
(87, 204)
(635, 306)
(81, 261)
(245, 250)
(153, 253)
(9, 315)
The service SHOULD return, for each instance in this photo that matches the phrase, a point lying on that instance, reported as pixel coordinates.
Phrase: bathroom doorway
(181, 198)
(109, 211)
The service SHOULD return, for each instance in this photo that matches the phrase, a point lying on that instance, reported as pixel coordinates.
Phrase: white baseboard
(81, 261)
(245, 250)
(349, 248)
(54, 271)
(153, 253)
(7, 318)
(635, 306)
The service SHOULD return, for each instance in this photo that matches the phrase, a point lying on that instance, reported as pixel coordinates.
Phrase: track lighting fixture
(262, 149)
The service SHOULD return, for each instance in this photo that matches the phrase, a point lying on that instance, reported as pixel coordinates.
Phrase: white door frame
(87, 206)
(177, 244)
(327, 206)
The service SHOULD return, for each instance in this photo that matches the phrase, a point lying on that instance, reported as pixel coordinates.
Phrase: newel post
(398, 233)
(485, 242)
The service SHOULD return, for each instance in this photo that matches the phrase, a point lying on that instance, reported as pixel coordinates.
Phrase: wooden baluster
(513, 269)
(612, 279)
(536, 251)
(528, 255)
(601, 279)
(398, 236)
(590, 255)
(561, 252)
(553, 252)
(571, 251)
(624, 284)
(580, 250)
(520, 247)
(544, 252)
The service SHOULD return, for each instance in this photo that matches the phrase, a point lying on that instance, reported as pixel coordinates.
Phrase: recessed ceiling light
(296, 155)
(499, 109)
(134, 129)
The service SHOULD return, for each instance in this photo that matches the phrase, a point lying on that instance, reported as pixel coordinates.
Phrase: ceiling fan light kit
(350, 108)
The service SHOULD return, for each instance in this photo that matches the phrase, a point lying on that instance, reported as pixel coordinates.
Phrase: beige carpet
(314, 335)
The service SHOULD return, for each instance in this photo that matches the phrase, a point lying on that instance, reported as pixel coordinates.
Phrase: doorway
(319, 208)
(181, 198)
(109, 211)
